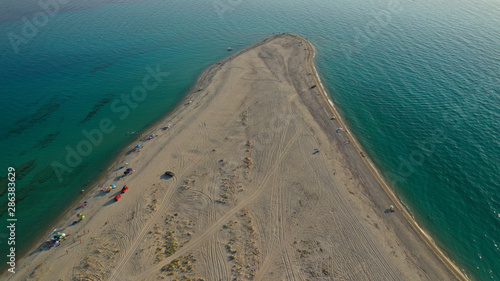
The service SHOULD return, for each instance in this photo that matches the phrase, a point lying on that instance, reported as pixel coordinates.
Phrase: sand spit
(265, 188)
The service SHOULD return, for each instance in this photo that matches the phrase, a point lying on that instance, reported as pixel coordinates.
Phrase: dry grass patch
(248, 161)
(182, 266)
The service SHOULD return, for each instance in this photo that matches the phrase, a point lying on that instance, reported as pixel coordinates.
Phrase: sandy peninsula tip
(267, 184)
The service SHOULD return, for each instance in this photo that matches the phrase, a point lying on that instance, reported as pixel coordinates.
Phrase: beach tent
(117, 197)
(138, 146)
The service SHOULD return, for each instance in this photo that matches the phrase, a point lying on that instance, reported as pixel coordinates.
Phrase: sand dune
(251, 198)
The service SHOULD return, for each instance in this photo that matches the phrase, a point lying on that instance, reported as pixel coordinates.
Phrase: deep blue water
(417, 80)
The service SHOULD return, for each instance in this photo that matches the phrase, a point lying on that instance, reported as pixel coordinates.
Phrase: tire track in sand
(277, 244)
(196, 241)
(358, 236)
(163, 206)
(214, 256)
(143, 232)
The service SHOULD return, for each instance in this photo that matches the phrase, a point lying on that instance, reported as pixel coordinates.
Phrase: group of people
(340, 130)
(55, 240)
(108, 188)
(150, 137)
(80, 217)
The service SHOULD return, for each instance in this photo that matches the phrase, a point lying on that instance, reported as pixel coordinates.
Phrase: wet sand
(252, 198)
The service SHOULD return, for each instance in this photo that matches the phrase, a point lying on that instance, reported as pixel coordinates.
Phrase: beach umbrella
(138, 146)
(113, 186)
(53, 231)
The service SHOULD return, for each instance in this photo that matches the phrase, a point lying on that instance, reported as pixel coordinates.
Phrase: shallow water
(417, 81)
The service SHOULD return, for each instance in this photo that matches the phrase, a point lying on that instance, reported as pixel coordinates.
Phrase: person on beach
(316, 150)
(80, 216)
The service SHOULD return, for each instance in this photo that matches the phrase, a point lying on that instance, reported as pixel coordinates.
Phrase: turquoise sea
(417, 80)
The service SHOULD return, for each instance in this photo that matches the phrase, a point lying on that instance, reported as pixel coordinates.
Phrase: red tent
(117, 197)
(125, 188)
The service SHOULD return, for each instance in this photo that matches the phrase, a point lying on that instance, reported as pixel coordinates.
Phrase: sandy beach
(269, 185)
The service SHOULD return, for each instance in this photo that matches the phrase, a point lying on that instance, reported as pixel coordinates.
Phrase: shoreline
(369, 163)
(94, 185)
(204, 80)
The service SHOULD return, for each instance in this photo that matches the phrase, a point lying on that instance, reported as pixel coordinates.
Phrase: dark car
(169, 174)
